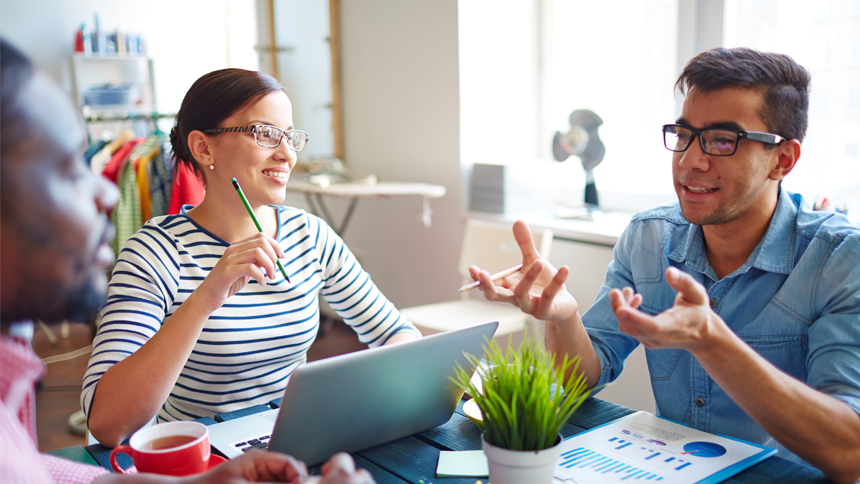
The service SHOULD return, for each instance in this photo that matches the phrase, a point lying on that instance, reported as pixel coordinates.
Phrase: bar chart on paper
(634, 463)
(644, 448)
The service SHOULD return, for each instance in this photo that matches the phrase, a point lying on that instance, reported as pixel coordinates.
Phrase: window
(525, 65)
(620, 61)
(824, 37)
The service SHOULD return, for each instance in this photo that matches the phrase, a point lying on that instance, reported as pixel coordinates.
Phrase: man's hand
(685, 325)
(340, 469)
(275, 467)
(538, 289)
(256, 466)
(819, 428)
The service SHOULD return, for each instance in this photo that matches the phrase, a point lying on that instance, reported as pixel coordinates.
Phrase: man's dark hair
(782, 81)
(16, 70)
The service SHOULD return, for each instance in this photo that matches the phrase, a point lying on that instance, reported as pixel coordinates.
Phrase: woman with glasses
(199, 319)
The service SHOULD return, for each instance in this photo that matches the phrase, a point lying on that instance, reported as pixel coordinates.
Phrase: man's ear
(787, 155)
(200, 146)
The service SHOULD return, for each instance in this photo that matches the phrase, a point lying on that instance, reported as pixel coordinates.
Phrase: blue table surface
(414, 458)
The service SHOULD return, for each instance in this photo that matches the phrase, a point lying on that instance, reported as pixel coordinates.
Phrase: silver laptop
(355, 401)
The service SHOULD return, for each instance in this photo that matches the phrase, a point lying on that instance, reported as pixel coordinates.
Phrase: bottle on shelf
(99, 38)
(83, 40)
(112, 43)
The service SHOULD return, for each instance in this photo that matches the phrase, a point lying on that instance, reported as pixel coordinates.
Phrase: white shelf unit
(96, 70)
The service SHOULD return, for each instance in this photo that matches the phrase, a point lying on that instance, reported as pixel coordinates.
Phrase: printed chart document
(642, 447)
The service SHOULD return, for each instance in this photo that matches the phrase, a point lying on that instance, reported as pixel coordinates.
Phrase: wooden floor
(59, 392)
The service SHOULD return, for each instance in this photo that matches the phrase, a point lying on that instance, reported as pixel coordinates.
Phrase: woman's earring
(212, 166)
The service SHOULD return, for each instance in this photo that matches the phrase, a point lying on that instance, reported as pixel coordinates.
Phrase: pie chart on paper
(704, 449)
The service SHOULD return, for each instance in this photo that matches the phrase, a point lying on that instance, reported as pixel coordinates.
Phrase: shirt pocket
(788, 352)
(661, 363)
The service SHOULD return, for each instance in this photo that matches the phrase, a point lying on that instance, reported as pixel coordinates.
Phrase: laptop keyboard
(258, 443)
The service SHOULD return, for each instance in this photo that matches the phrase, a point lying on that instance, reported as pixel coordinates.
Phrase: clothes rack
(112, 116)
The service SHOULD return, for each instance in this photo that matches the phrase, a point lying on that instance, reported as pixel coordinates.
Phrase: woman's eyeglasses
(269, 136)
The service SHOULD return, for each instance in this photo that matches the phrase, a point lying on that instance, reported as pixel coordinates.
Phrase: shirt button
(713, 303)
(700, 402)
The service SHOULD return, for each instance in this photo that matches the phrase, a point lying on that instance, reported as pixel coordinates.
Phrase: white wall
(499, 67)
(305, 69)
(186, 38)
(401, 123)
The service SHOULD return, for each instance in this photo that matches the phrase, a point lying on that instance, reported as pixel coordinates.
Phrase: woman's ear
(200, 146)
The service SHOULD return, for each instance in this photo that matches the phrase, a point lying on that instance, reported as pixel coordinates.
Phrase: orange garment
(143, 183)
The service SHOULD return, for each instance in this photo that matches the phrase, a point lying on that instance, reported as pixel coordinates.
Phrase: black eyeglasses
(269, 136)
(714, 141)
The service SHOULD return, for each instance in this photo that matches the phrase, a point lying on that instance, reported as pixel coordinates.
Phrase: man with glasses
(748, 303)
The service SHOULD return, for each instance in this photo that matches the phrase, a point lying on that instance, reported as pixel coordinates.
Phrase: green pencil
(256, 222)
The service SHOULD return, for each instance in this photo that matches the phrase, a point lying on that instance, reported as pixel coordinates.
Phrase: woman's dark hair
(212, 99)
(782, 81)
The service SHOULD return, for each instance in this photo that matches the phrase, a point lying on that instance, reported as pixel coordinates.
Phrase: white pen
(494, 277)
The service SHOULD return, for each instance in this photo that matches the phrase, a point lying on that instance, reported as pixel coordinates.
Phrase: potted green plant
(525, 399)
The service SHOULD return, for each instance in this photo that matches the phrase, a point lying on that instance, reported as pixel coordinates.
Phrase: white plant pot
(520, 466)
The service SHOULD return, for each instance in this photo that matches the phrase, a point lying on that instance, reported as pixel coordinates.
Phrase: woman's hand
(538, 289)
(253, 258)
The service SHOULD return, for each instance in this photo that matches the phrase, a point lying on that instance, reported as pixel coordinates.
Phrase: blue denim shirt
(796, 301)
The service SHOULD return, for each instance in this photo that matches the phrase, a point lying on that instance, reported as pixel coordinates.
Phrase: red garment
(20, 460)
(187, 189)
(111, 169)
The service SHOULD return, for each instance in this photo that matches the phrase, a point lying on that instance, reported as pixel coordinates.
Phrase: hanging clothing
(127, 216)
(100, 159)
(141, 158)
(144, 174)
(104, 156)
(187, 189)
(143, 187)
(112, 168)
(160, 183)
(93, 149)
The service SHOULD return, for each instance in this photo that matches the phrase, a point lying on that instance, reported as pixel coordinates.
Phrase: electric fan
(583, 141)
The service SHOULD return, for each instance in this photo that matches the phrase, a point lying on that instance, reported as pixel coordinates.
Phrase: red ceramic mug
(172, 448)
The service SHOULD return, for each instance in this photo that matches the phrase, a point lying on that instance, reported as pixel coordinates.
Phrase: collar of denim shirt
(774, 252)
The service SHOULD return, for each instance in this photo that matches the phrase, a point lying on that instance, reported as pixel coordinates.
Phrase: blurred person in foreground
(54, 251)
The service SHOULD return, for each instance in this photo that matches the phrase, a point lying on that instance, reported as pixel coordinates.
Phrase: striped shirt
(249, 347)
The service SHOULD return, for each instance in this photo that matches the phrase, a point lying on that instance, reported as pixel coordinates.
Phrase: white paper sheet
(645, 448)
